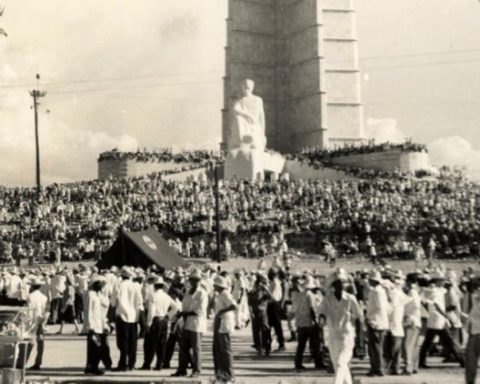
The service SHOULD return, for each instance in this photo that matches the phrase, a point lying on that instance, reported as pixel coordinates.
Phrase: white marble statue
(248, 120)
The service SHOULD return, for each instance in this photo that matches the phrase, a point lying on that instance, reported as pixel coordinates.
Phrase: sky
(148, 73)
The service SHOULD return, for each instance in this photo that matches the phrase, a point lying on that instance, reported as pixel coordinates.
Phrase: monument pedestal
(250, 164)
(244, 163)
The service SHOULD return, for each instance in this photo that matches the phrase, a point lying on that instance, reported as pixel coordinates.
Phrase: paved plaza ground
(65, 361)
(65, 354)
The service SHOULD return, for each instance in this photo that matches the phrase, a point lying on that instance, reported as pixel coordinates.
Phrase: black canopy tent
(141, 249)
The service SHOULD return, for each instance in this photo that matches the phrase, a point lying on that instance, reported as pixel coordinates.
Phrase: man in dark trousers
(96, 325)
(194, 316)
(158, 307)
(39, 306)
(258, 300)
(128, 303)
(223, 326)
(274, 307)
(437, 322)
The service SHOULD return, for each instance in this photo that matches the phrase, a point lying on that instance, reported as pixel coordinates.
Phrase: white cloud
(66, 154)
(454, 151)
(383, 130)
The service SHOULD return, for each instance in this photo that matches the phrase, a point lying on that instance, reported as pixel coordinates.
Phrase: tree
(2, 31)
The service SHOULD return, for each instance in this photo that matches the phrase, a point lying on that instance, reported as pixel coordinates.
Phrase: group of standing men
(392, 314)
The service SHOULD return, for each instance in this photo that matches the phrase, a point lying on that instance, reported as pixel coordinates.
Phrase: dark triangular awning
(141, 249)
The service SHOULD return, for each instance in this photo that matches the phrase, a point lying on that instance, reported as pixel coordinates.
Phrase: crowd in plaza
(378, 218)
(382, 314)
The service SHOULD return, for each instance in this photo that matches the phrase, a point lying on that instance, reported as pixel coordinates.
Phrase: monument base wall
(132, 168)
(299, 170)
(388, 161)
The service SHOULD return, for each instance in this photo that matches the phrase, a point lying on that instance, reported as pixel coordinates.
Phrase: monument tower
(303, 57)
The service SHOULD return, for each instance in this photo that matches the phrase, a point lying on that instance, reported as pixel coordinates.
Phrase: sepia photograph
(239, 191)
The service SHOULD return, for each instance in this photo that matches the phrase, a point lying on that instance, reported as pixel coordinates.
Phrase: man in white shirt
(412, 324)
(339, 311)
(38, 306)
(472, 351)
(239, 293)
(396, 334)
(223, 326)
(96, 325)
(194, 314)
(377, 323)
(158, 309)
(128, 303)
(438, 322)
(274, 307)
(57, 287)
(14, 288)
(306, 320)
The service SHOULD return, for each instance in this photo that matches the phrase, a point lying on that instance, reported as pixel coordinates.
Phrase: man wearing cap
(158, 307)
(306, 319)
(340, 310)
(38, 306)
(128, 303)
(194, 313)
(438, 321)
(223, 326)
(377, 318)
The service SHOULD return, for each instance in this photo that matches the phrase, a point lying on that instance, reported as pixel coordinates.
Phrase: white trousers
(341, 352)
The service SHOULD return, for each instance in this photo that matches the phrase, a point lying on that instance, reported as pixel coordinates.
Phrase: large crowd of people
(375, 218)
(387, 315)
(325, 155)
(163, 155)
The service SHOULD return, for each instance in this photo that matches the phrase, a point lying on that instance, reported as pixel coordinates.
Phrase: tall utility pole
(217, 215)
(37, 94)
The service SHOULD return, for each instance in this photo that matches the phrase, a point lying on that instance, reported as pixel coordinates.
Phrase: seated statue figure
(248, 120)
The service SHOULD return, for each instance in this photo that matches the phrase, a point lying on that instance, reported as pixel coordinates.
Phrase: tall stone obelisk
(303, 57)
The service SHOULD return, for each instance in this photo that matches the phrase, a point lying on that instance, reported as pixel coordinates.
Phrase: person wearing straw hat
(438, 322)
(472, 351)
(128, 302)
(39, 309)
(158, 308)
(306, 320)
(377, 314)
(339, 311)
(223, 326)
(96, 325)
(194, 314)
(258, 299)
(396, 333)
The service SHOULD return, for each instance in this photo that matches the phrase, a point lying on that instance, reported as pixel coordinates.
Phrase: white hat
(126, 272)
(195, 274)
(99, 279)
(375, 276)
(437, 275)
(339, 274)
(219, 281)
(36, 281)
(158, 280)
(309, 283)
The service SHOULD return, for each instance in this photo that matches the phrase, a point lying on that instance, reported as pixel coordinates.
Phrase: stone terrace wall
(390, 160)
(301, 170)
